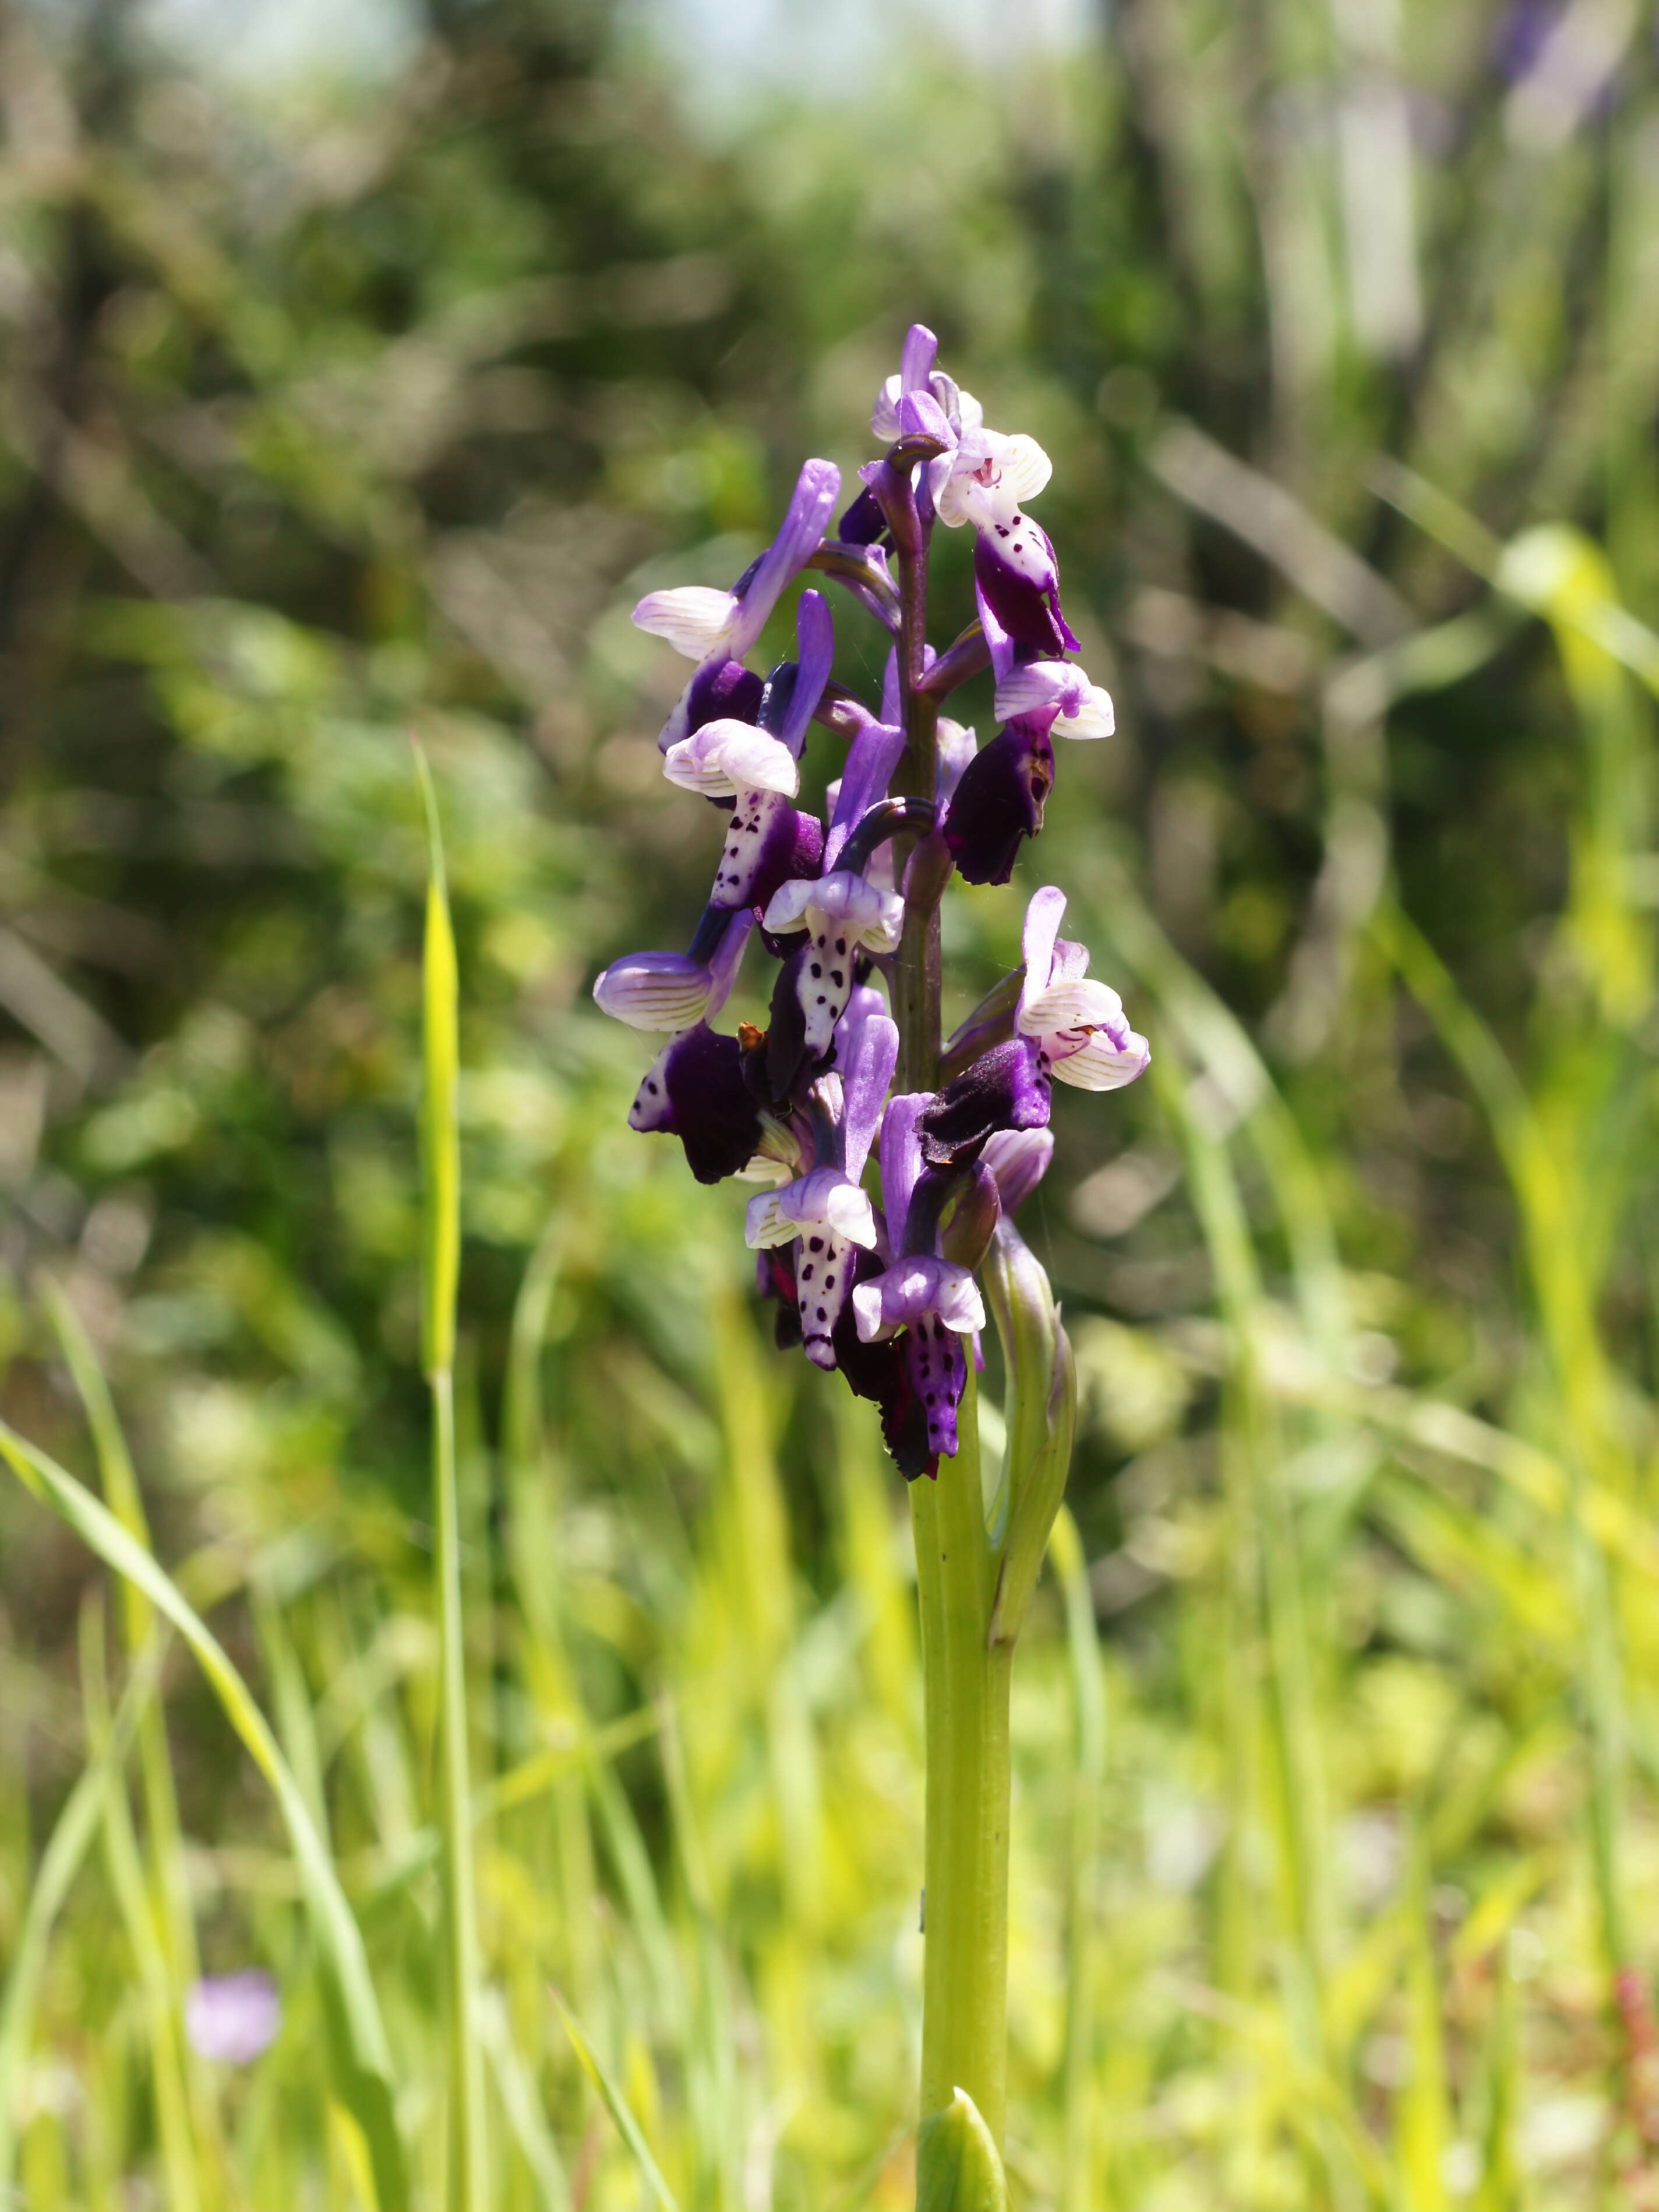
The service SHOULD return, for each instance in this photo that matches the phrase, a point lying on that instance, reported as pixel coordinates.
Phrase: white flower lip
(1105, 1063)
(1085, 709)
(1079, 1003)
(914, 1286)
(869, 915)
(990, 477)
(824, 1200)
(725, 757)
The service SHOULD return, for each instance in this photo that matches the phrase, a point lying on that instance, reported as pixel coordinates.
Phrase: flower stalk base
(966, 1678)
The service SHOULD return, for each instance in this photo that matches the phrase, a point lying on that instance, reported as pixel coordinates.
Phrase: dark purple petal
(881, 1373)
(863, 522)
(767, 844)
(1017, 586)
(722, 691)
(936, 1365)
(998, 801)
(695, 1091)
(786, 1054)
(1005, 1088)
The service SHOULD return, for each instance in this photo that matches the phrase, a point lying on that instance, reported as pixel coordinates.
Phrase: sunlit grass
(1292, 1924)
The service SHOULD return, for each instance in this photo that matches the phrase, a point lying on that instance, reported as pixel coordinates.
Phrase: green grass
(1295, 1922)
(438, 1592)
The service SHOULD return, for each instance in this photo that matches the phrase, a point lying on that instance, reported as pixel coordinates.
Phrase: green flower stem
(916, 973)
(966, 1982)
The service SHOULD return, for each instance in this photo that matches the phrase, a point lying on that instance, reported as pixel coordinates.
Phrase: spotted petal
(843, 905)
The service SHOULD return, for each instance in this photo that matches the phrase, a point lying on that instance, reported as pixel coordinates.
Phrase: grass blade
(1089, 1693)
(163, 2012)
(363, 2057)
(442, 1204)
(614, 2102)
(67, 1848)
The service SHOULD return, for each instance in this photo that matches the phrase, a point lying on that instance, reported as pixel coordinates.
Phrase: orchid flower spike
(714, 627)
(886, 1294)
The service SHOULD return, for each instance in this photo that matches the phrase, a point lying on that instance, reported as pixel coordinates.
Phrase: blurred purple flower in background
(233, 2017)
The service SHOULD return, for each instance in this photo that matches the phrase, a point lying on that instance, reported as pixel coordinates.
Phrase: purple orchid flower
(696, 1089)
(1000, 799)
(842, 911)
(1079, 708)
(825, 1213)
(1065, 1027)
(917, 374)
(768, 841)
(1078, 1027)
(714, 628)
(1005, 788)
(933, 1300)
(1016, 589)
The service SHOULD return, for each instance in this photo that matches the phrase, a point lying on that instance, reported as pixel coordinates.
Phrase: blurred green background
(358, 371)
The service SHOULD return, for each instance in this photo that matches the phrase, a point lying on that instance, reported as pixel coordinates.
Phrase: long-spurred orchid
(1059, 687)
(1079, 1029)
(714, 628)
(934, 1301)
(696, 1089)
(889, 1296)
(1062, 1027)
(768, 839)
(842, 911)
(826, 1212)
